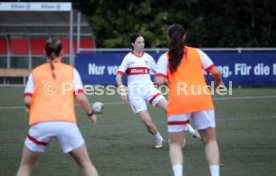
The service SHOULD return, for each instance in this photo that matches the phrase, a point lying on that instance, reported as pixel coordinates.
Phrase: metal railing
(29, 61)
(157, 50)
(24, 61)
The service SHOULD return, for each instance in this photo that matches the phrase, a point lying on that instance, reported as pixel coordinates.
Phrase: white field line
(240, 118)
(244, 98)
(120, 103)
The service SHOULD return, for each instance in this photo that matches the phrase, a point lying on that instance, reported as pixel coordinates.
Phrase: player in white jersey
(137, 65)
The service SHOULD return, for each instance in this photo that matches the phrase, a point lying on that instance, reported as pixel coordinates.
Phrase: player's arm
(121, 87)
(84, 103)
(160, 77)
(27, 101)
(152, 64)
(28, 93)
(210, 67)
(217, 76)
(82, 99)
(119, 79)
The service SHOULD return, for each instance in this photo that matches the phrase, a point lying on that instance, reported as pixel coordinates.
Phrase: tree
(209, 23)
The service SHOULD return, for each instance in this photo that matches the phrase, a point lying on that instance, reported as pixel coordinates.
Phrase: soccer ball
(98, 107)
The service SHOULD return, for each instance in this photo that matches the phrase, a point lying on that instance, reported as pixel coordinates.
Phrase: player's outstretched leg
(211, 149)
(152, 129)
(175, 151)
(27, 162)
(81, 156)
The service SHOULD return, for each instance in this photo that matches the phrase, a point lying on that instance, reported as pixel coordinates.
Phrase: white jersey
(207, 63)
(137, 68)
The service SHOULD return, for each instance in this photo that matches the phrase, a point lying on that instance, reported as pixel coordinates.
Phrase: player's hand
(123, 93)
(93, 120)
(219, 85)
(27, 111)
(124, 98)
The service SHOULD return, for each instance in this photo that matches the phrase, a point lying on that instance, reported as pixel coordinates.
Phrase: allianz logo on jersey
(137, 71)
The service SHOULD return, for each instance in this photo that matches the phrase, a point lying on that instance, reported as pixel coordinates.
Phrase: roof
(42, 24)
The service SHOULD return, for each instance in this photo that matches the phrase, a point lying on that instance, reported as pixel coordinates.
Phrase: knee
(178, 143)
(208, 135)
(206, 139)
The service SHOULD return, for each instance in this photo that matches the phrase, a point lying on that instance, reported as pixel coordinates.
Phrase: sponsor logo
(58, 7)
(17, 6)
(48, 6)
(137, 70)
(28, 6)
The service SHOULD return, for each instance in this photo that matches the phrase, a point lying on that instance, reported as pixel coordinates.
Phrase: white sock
(214, 170)
(191, 129)
(177, 170)
(158, 136)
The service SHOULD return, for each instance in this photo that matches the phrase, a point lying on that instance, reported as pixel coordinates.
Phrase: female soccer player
(137, 65)
(189, 97)
(49, 99)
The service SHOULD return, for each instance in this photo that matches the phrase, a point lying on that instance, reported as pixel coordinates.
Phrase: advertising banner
(35, 6)
(241, 68)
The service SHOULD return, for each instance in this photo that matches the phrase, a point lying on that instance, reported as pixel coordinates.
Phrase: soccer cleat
(159, 143)
(196, 135)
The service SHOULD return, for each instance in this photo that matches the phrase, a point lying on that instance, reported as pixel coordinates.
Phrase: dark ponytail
(176, 33)
(53, 48)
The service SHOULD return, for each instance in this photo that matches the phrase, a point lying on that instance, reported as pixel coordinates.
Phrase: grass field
(120, 145)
